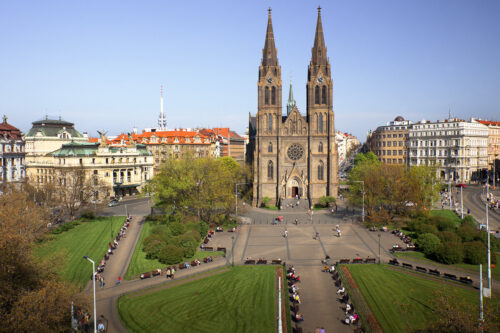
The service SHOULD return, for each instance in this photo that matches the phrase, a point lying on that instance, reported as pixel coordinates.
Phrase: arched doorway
(294, 187)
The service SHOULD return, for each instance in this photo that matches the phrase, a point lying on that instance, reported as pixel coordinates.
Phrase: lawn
(466, 268)
(400, 301)
(447, 214)
(88, 238)
(140, 264)
(241, 299)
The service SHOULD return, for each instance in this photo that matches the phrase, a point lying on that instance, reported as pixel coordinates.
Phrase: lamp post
(363, 208)
(236, 198)
(461, 200)
(449, 191)
(93, 283)
(379, 235)
(232, 251)
(488, 234)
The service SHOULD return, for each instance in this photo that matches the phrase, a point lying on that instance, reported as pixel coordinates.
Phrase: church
(293, 155)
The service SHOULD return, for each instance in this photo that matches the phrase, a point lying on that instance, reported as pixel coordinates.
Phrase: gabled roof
(8, 131)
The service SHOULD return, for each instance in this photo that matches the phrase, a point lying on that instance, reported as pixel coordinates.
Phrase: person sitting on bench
(341, 290)
(332, 268)
(294, 288)
(299, 317)
(347, 308)
(325, 268)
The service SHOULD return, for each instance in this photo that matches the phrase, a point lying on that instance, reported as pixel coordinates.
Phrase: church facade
(293, 155)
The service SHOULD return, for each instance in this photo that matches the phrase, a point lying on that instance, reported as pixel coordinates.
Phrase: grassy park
(89, 238)
(140, 264)
(241, 299)
(400, 300)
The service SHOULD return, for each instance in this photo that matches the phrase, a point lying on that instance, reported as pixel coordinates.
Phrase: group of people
(350, 316)
(293, 278)
(170, 273)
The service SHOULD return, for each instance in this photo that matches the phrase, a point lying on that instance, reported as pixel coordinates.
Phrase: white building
(345, 144)
(458, 149)
(11, 153)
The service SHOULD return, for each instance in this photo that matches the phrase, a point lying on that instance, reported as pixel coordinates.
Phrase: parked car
(113, 203)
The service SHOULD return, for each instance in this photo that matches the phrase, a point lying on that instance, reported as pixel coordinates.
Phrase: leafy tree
(326, 201)
(475, 253)
(450, 253)
(428, 243)
(265, 201)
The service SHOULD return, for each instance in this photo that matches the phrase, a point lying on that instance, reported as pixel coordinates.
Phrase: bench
(145, 275)
(394, 262)
(344, 261)
(208, 248)
(194, 263)
(182, 266)
(156, 272)
(421, 269)
(409, 266)
(219, 229)
(205, 260)
(357, 261)
(223, 249)
(249, 262)
(262, 261)
(205, 241)
(466, 279)
(434, 272)
(276, 261)
(370, 260)
(450, 276)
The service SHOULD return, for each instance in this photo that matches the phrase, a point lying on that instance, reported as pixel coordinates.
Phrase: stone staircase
(303, 205)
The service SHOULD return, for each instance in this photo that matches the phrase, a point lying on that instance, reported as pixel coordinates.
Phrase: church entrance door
(295, 191)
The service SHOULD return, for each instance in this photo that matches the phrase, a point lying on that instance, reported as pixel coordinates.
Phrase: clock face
(321, 79)
(295, 152)
(269, 80)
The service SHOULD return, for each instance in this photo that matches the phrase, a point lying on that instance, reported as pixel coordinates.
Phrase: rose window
(295, 152)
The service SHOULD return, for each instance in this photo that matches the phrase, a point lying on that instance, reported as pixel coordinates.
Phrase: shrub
(469, 220)
(265, 201)
(446, 225)
(170, 254)
(449, 253)
(467, 233)
(325, 201)
(428, 243)
(449, 237)
(202, 228)
(427, 229)
(475, 253)
(176, 228)
(88, 215)
(65, 227)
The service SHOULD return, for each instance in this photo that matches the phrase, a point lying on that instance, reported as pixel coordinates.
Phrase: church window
(269, 122)
(270, 170)
(316, 95)
(270, 147)
(320, 147)
(321, 168)
(273, 96)
(323, 95)
(316, 121)
(266, 96)
(320, 125)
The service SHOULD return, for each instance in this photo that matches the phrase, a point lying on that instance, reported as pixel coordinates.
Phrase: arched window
(323, 95)
(273, 96)
(266, 96)
(269, 122)
(320, 122)
(316, 121)
(320, 170)
(316, 95)
(320, 147)
(270, 170)
(270, 147)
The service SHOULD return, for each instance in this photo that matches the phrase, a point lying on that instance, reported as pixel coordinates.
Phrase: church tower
(323, 166)
(268, 119)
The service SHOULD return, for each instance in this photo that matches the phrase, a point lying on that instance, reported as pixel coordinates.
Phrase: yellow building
(389, 142)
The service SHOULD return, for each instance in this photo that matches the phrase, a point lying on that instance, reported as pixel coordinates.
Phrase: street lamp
(363, 211)
(232, 251)
(488, 234)
(379, 235)
(236, 198)
(93, 283)
(461, 200)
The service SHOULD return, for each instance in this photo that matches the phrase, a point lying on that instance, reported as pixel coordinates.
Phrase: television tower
(162, 119)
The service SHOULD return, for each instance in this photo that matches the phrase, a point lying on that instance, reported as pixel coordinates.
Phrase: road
(472, 201)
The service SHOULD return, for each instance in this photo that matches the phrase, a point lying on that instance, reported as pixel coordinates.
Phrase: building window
(270, 170)
(269, 122)
(323, 95)
(270, 147)
(320, 122)
(320, 170)
(316, 95)
(273, 96)
(320, 147)
(266, 96)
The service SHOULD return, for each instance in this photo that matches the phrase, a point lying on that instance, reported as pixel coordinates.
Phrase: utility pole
(481, 318)
(488, 232)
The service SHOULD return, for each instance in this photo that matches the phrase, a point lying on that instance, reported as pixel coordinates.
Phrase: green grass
(239, 300)
(447, 214)
(140, 264)
(466, 268)
(89, 238)
(400, 300)
(270, 207)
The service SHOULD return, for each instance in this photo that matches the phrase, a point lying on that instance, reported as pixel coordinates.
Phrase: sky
(100, 64)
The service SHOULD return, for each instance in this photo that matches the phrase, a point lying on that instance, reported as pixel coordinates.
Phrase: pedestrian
(172, 273)
(338, 233)
(168, 273)
(296, 221)
(119, 280)
(286, 233)
(317, 235)
(468, 211)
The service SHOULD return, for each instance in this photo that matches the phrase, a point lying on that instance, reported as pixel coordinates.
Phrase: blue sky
(100, 64)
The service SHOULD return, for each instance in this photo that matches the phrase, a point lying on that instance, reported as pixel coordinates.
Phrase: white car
(113, 203)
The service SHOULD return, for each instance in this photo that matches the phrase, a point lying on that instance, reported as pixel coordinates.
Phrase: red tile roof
(488, 122)
(9, 132)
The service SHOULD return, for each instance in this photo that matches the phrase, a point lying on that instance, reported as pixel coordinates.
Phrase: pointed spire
(319, 48)
(269, 53)
(291, 102)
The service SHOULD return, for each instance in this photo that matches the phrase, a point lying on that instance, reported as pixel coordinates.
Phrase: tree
(31, 294)
(428, 243)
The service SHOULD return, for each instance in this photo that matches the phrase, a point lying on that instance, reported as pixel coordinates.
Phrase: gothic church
(292, 154)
